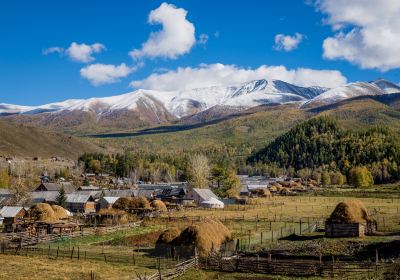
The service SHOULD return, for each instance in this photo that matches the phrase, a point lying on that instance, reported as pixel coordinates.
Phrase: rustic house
(11, 216)
(81, 203)
(68, 187)
(349, 219)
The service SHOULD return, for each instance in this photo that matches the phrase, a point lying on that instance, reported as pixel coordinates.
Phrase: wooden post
(72, 252)
(261, 237)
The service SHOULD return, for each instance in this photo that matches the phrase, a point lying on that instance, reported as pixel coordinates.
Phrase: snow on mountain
(178, 104)
(378, 87)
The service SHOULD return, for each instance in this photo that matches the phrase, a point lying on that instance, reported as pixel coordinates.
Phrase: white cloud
(176, 37)
(53, 50)
(77, 52)
(203, 39)
(287, 42)
(83, 52)
(219, 74)
(367, 32)
(99, 74)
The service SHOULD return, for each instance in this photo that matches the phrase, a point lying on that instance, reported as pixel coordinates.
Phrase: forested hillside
(320, 142)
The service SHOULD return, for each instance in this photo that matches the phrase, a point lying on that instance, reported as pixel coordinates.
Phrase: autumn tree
(198, 171)
(360, 177)
(4, 179)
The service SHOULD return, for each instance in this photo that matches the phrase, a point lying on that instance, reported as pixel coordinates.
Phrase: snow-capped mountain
(159, 106)
(181, 103)
(377, 87)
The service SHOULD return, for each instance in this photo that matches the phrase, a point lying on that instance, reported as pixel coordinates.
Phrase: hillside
(27, 141)
(244, 132)
(320, 142)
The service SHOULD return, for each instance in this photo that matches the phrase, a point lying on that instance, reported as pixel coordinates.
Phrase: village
(169, 230)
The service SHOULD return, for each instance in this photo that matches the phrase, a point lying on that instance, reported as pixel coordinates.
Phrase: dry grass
(59, 212)
(206, 236)
(159, 205)
(168, 235)
(350, 211)
(132, 203)
(15, 267)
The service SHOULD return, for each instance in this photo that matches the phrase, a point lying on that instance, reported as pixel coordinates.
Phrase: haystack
(159, 205)
(168, 235)
(59, 212)
(273, 188)
(349, 212)
(124, 203)
(263, 193)
(206, 236)
(113, 215)
(42, 212)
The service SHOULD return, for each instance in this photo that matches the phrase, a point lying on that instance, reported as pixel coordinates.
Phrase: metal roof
(120, 193)
(10, 211)
(205, 194)
(44, 196)
(78, 198)
(110, 199)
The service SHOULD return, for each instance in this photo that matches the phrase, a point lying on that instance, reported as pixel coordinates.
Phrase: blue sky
(241, 35)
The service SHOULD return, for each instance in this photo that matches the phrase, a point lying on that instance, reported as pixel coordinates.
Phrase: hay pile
(124, 203)
(206, 236)
(168, 235)
(59, 212)
(113, 215)
(43, 212)
(273, 188)
(264, 193)
(159, 205)
(350, 211)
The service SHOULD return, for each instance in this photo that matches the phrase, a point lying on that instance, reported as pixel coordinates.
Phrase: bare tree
(198, 171)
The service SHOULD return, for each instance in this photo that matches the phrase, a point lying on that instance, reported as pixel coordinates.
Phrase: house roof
(251, 187)
(88, 188)
(94, 194)
(78, 198)
(205, 194)
(120, 193)
(68, 187)
(147, 193)
(10, 211)
(110, 199)
(49, 196)
(5, 192)
(212, 201)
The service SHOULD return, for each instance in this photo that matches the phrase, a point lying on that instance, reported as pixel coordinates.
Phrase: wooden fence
(23, 239)
(291, 267)
(173, 272)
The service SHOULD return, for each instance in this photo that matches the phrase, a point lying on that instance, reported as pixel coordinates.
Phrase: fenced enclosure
(293, 267)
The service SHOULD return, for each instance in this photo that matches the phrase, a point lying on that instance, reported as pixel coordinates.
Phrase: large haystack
(168, 235)
(349, 212)
(126, 203)
(159, 205)
(59, 212)
(206, 236)
(42, 212)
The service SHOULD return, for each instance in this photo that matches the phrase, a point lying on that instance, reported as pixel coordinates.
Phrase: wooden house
(81, 203)
(11, 216)
(43, 187)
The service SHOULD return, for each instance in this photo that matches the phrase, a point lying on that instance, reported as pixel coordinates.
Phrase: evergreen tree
(61, 199)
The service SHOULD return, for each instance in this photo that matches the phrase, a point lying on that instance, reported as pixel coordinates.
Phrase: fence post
(72, 252)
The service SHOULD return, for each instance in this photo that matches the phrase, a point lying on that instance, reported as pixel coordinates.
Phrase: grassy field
(119, 255)
(21, 268)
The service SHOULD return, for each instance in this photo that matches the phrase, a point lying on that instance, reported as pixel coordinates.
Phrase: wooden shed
(11, 216)
(349, 219)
